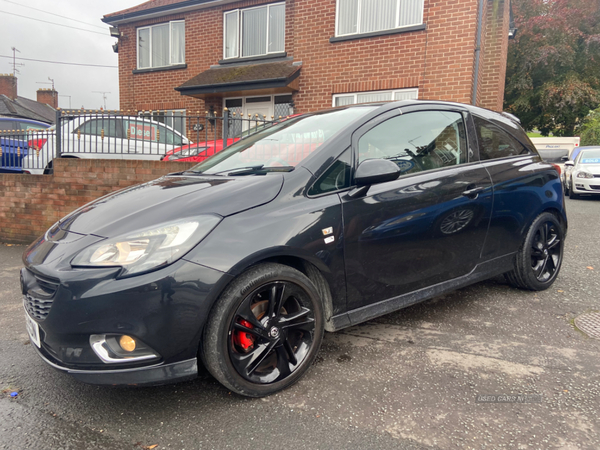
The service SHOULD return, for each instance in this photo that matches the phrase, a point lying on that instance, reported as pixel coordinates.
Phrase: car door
(429, 225)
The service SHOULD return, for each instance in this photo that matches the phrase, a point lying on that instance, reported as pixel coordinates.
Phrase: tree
(590, 129)
(553, 69)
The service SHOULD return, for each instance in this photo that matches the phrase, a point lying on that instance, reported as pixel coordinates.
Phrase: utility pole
(14, 63)
(103, 96)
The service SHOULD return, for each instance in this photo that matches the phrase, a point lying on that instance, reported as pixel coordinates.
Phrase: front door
(424, 228)
(263, 106)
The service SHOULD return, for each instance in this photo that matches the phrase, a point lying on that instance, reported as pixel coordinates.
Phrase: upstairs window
(254, 31)
(367, 16)
(375, 96)
(161, 45)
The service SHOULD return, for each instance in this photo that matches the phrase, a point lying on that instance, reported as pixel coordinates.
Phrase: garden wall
(30, 204)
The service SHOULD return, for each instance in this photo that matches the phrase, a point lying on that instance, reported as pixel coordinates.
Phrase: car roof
(18, 119)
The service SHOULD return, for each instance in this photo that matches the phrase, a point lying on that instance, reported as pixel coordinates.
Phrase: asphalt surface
(408, 380)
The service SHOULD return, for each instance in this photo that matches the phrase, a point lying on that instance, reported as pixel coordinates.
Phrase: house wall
(438, 60)
(494, 55)
(30, 204)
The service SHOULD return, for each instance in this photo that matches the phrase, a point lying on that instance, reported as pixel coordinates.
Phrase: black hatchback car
(318, 223)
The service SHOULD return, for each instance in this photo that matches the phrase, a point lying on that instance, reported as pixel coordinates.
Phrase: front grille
(39, 297)
(592, 186)
(596, 176)
(36, 307)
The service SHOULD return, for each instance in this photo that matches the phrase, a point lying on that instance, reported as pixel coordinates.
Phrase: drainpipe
(478, 50)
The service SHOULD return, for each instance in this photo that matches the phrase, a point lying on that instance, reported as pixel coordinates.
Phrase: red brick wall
(439, 60)
(30, 204)
(494, 54)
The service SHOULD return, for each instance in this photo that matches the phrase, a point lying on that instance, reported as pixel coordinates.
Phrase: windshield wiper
(258, 169)
(238, 170)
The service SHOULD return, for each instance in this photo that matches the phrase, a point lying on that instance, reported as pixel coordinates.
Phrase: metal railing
(147, 135)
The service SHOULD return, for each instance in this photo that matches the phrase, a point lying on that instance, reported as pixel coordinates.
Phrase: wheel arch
(314, 270)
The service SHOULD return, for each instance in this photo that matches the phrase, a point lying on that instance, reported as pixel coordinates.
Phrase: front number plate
(33, 329)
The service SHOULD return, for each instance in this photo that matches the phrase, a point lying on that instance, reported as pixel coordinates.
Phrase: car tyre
(539, 259)
(566, 188)
(264, 331)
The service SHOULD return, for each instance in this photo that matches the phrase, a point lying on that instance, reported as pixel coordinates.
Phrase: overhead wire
(54, 23)
(61, 62)
(53, 14)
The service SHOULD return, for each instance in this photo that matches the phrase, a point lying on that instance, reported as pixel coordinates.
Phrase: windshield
(283, 145)
(590, 157)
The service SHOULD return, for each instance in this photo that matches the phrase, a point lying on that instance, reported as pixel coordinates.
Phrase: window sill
(160, 69)
(351, 37)
(253, 58)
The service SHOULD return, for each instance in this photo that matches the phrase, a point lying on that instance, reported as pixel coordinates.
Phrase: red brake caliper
(243, 339)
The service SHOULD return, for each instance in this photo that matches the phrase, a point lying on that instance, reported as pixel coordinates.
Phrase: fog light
(119, 348)
(127, 343)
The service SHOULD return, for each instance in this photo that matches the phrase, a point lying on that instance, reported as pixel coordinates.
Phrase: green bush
(590, 129)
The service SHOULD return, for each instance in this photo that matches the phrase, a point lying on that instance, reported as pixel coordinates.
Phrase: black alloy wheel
(540, 257)
(264, 331)
(271, 332)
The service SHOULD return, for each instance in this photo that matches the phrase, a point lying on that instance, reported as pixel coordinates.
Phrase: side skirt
(481, 272)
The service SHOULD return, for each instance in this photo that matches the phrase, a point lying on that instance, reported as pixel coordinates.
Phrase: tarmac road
(408, 380)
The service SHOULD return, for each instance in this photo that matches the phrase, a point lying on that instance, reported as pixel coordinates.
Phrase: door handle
(473, 193)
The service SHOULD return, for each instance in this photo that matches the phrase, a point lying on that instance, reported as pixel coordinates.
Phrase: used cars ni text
(317, 223)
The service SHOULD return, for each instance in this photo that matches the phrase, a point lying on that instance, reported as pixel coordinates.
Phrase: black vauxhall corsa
(318, 223)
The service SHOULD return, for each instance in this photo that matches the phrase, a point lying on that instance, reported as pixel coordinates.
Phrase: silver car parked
(104, 137)
(582, 175)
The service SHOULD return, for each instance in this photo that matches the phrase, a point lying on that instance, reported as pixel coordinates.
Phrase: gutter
(160, 11)
(477, 51)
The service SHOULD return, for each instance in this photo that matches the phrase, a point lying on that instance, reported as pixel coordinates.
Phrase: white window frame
(137, 44)
(238, 52)
(358, 17)
(392, 92)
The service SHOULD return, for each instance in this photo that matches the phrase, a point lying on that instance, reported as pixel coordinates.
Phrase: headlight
(150, 248)
(186, 153)
(583, 174)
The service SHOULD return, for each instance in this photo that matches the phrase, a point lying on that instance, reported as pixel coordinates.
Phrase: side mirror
(374, 171)
(569, 163)
(564, 158)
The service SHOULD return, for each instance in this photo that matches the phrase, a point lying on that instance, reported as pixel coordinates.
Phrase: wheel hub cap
(274, 332)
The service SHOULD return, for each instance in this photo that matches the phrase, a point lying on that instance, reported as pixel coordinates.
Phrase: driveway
(485, 367)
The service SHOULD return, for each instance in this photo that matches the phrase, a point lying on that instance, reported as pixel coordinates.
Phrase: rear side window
(417, 141)
(101, 127)
(31, 126)
(6, 125)
(495, 143)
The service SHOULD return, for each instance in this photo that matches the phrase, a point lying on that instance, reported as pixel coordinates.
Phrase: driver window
(418, 141)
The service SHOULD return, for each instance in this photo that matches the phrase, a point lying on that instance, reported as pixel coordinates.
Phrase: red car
(203, 150)
(197, 152)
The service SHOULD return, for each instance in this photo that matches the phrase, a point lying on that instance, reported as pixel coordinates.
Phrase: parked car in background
(105, 136)
(15, 134)
(582, 175)
(317, 223)
(553, 149)
(200, 151)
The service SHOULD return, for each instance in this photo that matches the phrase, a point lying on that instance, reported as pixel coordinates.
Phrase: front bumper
(153, 375)
(165, 309)
(586, 185)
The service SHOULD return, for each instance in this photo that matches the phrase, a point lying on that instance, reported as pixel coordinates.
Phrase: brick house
(271, 58)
